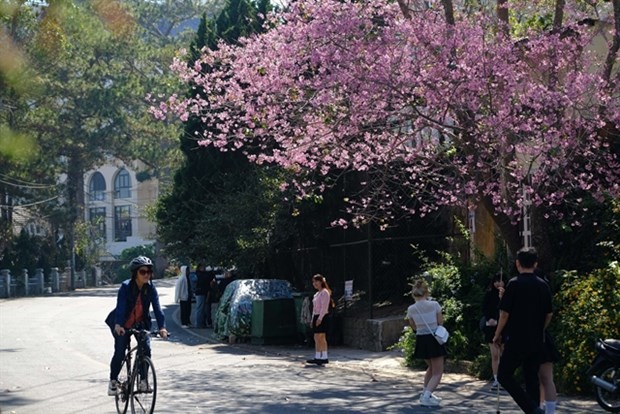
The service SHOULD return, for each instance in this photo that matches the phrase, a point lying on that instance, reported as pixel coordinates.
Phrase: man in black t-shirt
(525, 313)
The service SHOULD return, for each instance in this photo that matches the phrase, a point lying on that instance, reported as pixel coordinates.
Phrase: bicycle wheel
(122, 396)
(143, 386)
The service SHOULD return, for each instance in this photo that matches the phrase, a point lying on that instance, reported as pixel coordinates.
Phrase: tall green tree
(221, 207)
(77, 98)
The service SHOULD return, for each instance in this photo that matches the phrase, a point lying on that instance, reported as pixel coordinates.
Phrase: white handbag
(441, 334)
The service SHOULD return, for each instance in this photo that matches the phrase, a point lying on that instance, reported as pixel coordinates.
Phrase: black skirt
(489, 333)
(426, 346)
(323, 327)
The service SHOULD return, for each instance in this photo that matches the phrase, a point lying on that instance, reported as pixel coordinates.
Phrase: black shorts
(323, 327)
(426, 346)
(550, 352)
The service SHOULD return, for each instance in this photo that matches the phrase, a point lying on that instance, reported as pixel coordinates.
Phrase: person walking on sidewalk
(183, 296)
(424, 317)
(525, 313)
(490, 310)
(320, 319)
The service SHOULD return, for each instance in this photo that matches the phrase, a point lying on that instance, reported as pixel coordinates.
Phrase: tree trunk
(502, 16)
(540, 239)
(558, 16)
(75, 190)
(448, 9)
(509, 231)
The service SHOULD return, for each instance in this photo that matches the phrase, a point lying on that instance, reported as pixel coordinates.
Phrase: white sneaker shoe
(143, 386)
(431, 401)
(112, 388)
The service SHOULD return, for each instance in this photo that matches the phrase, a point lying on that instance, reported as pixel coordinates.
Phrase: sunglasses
(145, 271)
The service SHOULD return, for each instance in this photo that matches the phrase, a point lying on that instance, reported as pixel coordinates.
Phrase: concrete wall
(373, 334)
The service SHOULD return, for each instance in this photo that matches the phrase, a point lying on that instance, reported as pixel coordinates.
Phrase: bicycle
(137, 383)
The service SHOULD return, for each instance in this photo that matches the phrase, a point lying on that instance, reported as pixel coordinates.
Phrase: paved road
(55, 351)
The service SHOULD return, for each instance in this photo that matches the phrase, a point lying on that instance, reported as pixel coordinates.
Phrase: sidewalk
(461, 393)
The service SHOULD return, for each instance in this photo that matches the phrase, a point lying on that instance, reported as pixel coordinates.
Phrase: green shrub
(481, 366)
(459, 290)
(586, 308)
(406, 344)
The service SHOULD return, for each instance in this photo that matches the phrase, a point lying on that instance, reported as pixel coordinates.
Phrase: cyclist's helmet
(138, 262)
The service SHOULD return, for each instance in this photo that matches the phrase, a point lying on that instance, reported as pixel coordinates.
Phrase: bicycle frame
(135, 360)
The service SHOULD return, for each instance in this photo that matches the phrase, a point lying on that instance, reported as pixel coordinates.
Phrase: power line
(29, 204)
(24, 184)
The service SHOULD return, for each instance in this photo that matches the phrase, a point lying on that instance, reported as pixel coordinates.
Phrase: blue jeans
(201, 311)
(120, 346)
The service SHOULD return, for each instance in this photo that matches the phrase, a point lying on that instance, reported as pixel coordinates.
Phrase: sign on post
(348, 290)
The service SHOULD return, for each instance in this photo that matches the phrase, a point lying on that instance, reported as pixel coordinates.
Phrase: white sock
(426, 394)
(495, 377)
(324, 355)
(549, 407)
(317, 355)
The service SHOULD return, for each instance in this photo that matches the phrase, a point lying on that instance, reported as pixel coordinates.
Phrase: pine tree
(220, 205)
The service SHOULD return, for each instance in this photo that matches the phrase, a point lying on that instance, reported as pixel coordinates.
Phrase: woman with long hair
(320, 319)
(424, 317)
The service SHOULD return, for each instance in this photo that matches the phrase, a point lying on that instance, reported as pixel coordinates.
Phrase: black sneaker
(313, 361)
(323, 361)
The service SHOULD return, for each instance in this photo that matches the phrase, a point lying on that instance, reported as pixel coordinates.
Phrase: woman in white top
(183, 295)
(424, 316)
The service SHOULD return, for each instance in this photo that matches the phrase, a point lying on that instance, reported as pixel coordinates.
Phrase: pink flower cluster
(433, 114)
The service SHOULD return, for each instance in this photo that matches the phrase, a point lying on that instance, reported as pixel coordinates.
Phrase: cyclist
(135, 296)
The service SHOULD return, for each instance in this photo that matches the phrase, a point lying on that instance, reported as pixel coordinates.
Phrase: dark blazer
(126, 300)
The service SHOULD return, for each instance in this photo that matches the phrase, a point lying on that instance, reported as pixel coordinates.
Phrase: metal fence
(24, 284)
(379, 264)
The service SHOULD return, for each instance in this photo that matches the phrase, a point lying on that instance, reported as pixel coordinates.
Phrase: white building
(115, 202)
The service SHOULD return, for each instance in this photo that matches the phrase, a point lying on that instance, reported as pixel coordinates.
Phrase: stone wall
(372, 334)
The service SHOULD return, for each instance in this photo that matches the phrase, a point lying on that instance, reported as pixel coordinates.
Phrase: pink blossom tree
(430, 106)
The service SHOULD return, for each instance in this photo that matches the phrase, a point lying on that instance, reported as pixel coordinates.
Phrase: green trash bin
(273, 322)
(304, 332)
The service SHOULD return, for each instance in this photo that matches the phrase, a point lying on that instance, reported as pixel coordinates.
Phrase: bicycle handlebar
(133, 331)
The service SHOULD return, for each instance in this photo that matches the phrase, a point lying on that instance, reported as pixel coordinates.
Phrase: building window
(122, 223)
(122, 184)
(96, 187)
(97, 222)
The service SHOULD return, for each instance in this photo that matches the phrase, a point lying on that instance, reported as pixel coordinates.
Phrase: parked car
(234, 312)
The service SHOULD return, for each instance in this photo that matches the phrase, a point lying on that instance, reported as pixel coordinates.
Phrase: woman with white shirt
(320, 319)
(424, 317)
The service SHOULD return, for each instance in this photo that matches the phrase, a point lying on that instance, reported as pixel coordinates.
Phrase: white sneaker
(143, 386)
(430, 402)
(112, 388)
(184, 326)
